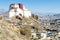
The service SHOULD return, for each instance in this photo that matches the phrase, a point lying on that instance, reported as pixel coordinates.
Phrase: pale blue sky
(41, 6)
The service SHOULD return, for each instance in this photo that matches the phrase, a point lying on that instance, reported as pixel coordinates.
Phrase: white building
(16, 9)
(43, 35)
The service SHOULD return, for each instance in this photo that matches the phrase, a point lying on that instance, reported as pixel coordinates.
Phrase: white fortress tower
(16, 9)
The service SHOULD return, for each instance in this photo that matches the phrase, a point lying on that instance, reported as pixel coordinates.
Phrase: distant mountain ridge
(57, 14)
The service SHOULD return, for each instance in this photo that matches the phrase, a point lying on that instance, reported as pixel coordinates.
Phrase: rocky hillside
(12, 30)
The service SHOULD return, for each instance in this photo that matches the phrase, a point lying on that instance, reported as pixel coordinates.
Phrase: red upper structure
(21, 6)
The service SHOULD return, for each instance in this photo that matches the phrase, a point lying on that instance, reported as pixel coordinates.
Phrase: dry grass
(11, 32)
